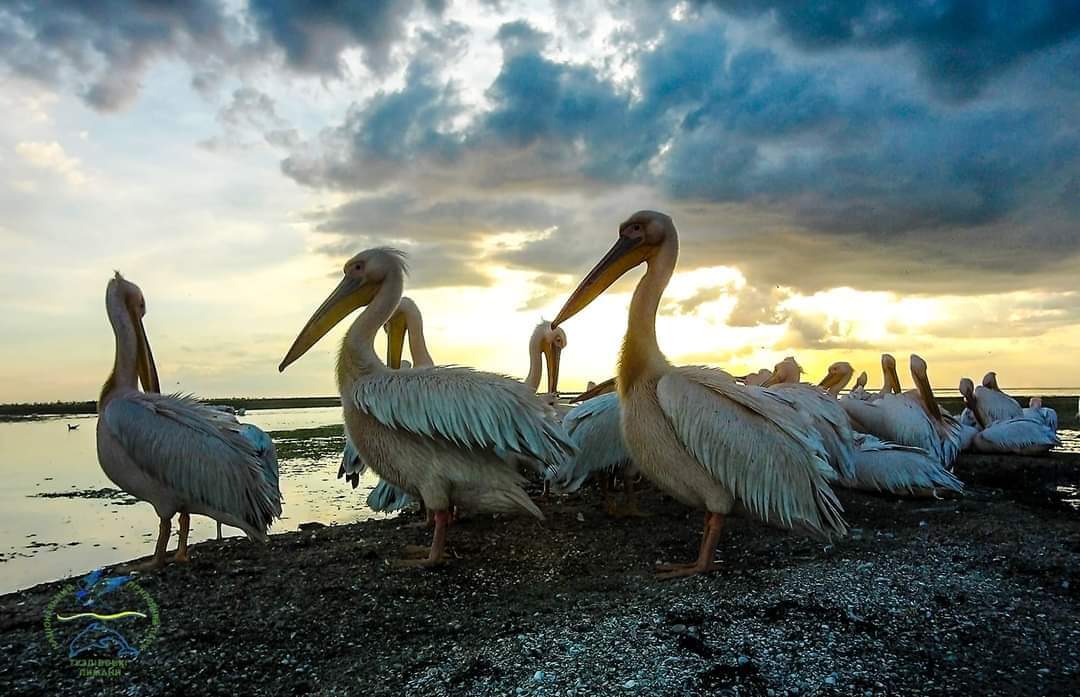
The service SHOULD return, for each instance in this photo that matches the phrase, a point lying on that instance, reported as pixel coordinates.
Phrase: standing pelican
(448, 435)
(694, 431)
(406, 321)
(1045, 415)
(901, 419)
(174, 452)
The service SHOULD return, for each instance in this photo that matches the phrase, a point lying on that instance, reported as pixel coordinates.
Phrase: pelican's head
(549, 341)
(757, 378)
(786, 371)
(837, 378)
(595, 389)
(1035, 403)
(990, 380)
(889, 375)
(641, 237)
(123, 296)
(967, 390)
(362, 277)
(396, 328)
(861, 380)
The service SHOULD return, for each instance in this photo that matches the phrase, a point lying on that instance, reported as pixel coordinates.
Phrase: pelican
(901, 419)
(448, 435)
(989, 404)
(705, 439)
(174, 452)
(547, 343)
(819, 406)
(594, 426)
(859, 391)
(406, 321)
(756, 378)
(1045, 415)
(1016, 435)
(897, 469)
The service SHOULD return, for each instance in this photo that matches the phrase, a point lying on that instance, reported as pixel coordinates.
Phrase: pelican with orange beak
(175, 452)
(698, 434)
(448, 435)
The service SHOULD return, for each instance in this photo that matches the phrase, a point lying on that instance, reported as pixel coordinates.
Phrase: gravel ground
(973, 596)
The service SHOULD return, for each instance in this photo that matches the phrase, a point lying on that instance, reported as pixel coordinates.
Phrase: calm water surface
(45, 538)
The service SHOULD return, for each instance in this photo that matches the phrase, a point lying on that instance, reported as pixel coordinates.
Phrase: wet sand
(977, 595)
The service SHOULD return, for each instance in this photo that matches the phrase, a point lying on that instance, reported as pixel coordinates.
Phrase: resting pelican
(756, 378)
(174, 452)
(1045, 415)
(818, 404)
(594, 426)
(447, 435)
(897, 469)
(900, 419)
(990, 404)
(1016, 435)
(859, 391)
(705, 439)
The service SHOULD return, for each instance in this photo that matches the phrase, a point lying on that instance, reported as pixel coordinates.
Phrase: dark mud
(973, 596)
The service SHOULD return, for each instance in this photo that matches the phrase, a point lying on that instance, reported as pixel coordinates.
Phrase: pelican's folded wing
(755, 444)
(197, 451)
(472, 409)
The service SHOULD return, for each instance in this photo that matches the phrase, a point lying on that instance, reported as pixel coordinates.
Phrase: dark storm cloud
(313, 35)
(103, 48)
(959, 45)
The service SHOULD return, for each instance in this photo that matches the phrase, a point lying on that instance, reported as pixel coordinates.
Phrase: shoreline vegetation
(1065, 405)
(975, 594)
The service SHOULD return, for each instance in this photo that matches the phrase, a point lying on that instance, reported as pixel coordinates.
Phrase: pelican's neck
(124, 375)
(641, 356)
(535, 368)
(357, 356)
(414, 324)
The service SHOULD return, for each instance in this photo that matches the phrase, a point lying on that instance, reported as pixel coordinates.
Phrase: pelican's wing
(264, 446)
(594, 428)
(995, 405)
(386, 497)
(1044, 415)
(352, 465)
(898, 469)
(1019, 436)
(469, 408)
(829, 419)
(754, 443)
(199, 452)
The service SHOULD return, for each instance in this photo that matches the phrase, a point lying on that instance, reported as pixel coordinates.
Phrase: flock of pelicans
(457, 438)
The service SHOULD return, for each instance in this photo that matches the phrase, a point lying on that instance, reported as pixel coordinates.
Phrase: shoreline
(961, 596)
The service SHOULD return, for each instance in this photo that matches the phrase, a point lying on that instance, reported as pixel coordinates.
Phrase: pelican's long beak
(834, 382)
(395, 340)
(892, 379)
(552, 356)
(144, 358)
(922, 383)
(350, 294)
(597, 390)
(623, 256)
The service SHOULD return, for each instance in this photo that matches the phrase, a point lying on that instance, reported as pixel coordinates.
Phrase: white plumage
(1016, 436)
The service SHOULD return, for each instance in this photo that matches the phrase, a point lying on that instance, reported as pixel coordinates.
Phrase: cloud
(754, 306)
(958, 45)
(51, 156)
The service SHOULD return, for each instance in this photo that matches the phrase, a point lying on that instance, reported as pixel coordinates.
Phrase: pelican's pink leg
(181, 550)
(164, 528)
(714, 525)
(437, 551)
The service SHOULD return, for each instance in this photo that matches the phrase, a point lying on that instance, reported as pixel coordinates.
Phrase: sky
(846, 178)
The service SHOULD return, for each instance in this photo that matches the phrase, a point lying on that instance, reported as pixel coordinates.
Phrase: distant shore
(1064, 404)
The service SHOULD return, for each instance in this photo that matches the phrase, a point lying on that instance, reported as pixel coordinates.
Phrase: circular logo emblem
(101, 623)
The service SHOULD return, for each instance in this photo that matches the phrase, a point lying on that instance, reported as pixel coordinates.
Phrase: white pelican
(547, 343)
(705, 439)
(818, 404)
(898, 418)
(756, 378)
(174, 452)
(897, 469)
(594, 426)
(859, 391)
(447, 435)
(1016, 435)
(991, 404)
(1037, 412)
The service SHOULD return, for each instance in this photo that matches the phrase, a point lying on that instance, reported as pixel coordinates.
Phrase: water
(42, 539)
